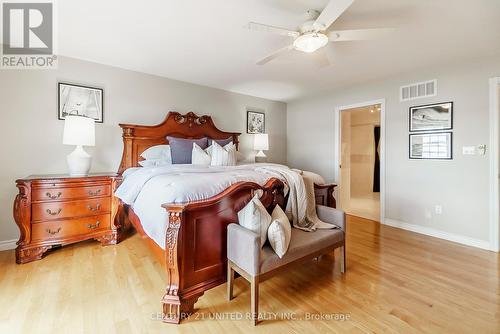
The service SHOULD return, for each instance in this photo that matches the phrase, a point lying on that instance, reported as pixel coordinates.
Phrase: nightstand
(53, 210)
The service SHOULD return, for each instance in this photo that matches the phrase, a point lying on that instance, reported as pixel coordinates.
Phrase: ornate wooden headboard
(138, 138)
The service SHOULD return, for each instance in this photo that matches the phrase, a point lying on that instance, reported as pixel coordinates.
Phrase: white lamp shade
(261, 142)
(79, 130)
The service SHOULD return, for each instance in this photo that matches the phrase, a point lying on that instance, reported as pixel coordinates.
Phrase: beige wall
(413, 188)
(31, 136)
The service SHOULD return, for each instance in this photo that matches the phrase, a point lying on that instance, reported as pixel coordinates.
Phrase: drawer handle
(55, 213)
(49, 195)
(93, 227)
(49, 231)
(94, 193)
(97, 207)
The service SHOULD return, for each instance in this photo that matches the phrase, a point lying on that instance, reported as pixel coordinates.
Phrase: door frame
(494, 164)
(337, 126)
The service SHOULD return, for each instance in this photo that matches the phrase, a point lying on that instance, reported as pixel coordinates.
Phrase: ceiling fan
(313, 34)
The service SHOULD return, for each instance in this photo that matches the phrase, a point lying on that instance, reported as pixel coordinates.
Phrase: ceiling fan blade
(331, 13)
(275, 54)
(272, 29)
(358, 34)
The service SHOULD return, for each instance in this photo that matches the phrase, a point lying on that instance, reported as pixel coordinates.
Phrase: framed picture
(431, 117)
(256, 122)
(437, 145)
(81, 101)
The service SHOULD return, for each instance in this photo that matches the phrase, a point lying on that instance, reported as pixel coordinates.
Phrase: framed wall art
(431, 117)
(256, 122)
(434, 146)
(81, 101)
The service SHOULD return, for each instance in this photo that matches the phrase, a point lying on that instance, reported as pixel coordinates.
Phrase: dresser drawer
(59, 210)
(69, 228)
(54, 194)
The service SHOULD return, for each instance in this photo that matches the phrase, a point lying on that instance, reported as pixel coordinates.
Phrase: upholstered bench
(257, 264)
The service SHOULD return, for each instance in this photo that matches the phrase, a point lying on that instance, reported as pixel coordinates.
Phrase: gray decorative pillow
(221, 142)
(182, 149)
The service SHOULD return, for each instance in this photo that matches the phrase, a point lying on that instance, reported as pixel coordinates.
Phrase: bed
(194, 248)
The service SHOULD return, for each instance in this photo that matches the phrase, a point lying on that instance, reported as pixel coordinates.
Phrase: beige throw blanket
(301, 206)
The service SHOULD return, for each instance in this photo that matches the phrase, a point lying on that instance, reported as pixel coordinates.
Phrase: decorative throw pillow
(255, 217)
(157, 152)
(279, 232)
(181, 148)
(200, 156)
(221, 142)
(223, 156)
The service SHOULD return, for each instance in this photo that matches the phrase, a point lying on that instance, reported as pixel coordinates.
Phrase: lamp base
(79, 162)
(260, 157)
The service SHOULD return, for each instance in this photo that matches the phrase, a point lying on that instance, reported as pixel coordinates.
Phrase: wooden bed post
(176, 306)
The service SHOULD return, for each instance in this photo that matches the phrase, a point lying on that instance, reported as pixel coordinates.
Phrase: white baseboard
(438, 234)
(8, 245)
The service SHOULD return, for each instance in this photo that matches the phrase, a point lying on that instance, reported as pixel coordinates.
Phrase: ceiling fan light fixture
(310, 42)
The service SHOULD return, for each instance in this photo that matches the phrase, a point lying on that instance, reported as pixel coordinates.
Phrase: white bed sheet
(147, 188)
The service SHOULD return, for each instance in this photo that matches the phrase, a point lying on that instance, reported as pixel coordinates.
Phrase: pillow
(200, 156)
(227, 146)
(255, 218)
(223, 156)
(154, 162)
(157, 152)
(181, 148)
(279, 232)
(221, 142)
(239, 156)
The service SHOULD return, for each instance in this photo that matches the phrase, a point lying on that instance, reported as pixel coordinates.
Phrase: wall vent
(418, 90)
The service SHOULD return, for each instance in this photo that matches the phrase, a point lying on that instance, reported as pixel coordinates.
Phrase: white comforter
(147, 188)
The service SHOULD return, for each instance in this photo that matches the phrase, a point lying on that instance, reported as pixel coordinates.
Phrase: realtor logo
(28, 35)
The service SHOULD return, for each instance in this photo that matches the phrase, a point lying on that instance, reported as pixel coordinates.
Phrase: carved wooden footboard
(195, 251)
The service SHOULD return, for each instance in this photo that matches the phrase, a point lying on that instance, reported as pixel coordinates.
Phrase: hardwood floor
(396, 282)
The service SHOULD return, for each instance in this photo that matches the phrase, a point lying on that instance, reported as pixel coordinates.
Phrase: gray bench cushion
(301, 244)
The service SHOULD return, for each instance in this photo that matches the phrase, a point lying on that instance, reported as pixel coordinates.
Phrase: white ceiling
(204, 42)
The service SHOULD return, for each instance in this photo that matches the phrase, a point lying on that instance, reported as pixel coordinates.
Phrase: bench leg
(255, 299)
(230, 280)
(342, 259)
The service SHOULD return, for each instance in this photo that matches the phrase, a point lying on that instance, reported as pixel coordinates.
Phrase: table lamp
(79, 131)
(261, 143)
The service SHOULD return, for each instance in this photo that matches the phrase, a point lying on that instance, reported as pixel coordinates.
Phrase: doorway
(360, 160)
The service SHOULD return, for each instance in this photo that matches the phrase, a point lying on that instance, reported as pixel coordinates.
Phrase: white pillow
(158, 152)
(255, 217)
(200, 156)
(279, 232)
(239, 156)
(154, 162)
(223, 156)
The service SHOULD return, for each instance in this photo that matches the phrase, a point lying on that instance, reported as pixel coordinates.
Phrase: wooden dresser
(57, 210)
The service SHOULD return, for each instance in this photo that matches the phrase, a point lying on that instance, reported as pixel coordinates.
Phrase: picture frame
(256, 122)
(80, 100)
(431, 117)
(431, 146)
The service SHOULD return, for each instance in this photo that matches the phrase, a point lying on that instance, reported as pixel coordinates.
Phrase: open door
(359, 161)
